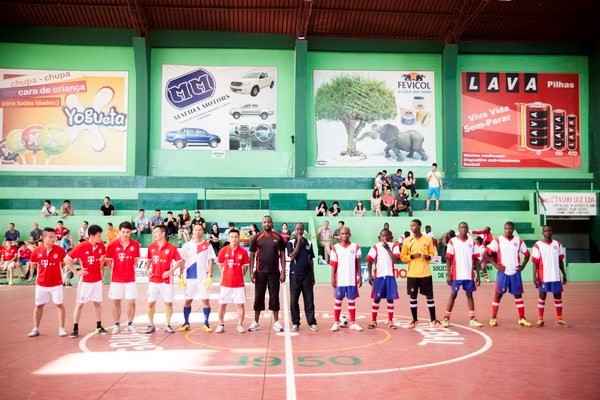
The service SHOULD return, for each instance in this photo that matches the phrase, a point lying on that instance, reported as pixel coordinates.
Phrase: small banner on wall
(68, 121)
(374, 118)
(566, 204)
(520, 120)
(218, 108)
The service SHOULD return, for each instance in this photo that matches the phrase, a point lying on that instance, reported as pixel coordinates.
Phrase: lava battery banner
(68, 121)
(520, 120)
(374, 118)
(218, 108)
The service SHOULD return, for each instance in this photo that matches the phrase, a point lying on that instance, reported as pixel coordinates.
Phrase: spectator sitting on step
(112, 233)
(387, 202)
(213, 237)
(156, 220)
(60, 230)
(171, 224)
(66, 210)
(385, 180)
(185, 226)
(107, 209)
(83, 231)
(443, 243)
(334, 210)
(409, 184)
(336, 233)
(359, 210)
(142, 224)
(378, 184)
(12, 234)
(23, 258)
(35, 236)
(8, 259)
(396, 180)
(48, 210)
(321, 209)
(198, 220)
(401, 203)
(324, 235)
(376, 202)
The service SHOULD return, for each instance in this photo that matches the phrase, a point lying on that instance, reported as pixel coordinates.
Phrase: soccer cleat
(101, 331)
(131, 328)
(254, 326)
(10, 283)
(436, 324)
(74, 334)
(355, 327)
(295, 328)
(116, 329)
(372, 325)
(523, 322)
(413, 324)
(445, 322)
(476, 323)
(183, 328)
(150, 329)
(62, 332)
(487, 280)
(391, 325)
(34, 332)
(562, 322)
(240, 328)
(539, 323)
(220, 328)
(314, 327)
(335, 327)
(168, 329)
(277, 326)
(207, 329)
(493, 321)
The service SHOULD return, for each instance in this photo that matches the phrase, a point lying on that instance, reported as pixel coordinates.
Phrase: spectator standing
(376, 202)
(434, 186)
(12, 234)
(48, 209)
(66, 210)
(107, 209)
(359, 210)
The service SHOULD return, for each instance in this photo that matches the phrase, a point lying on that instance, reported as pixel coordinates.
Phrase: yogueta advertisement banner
(218, 108)
(374, 118)
(73, 121)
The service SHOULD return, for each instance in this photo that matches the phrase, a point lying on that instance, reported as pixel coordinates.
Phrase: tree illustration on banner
(355, 101)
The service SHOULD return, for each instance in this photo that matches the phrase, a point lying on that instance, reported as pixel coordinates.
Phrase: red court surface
(507, 361)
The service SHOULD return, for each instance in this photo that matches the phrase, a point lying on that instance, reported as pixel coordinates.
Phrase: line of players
(195, 263)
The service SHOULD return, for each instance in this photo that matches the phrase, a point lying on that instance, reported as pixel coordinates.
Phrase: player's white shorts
(87, 291)
(7, 265)
(118, 290)
(165, 290)
(44, 293)
(235, 295)
(195, 287)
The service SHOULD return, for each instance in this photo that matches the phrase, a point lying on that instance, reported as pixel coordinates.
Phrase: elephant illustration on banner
(410, 141)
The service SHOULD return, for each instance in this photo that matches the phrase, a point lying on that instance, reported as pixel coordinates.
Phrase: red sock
(541, 306)
(495, 307)
(520, 307)
(374, 311)
(337, 310)
(390, 309)
(352, 310)
(471, 314)
(558, 305)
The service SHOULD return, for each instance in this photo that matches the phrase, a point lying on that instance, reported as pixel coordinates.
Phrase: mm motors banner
(374, 118)
(218, 108)
(520, 120)
(71, 121)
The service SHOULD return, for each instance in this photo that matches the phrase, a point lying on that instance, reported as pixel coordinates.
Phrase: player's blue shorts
(551, 287)
(350, 292)
(384, 287)
(433, 192)
(23, 261)
(467, 284)
(511, 283)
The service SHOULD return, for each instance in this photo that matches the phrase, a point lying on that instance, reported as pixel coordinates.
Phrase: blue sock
(206, 311)
(186, 314)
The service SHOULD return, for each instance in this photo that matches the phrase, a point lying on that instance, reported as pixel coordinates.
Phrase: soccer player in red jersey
(233, 263)
(91, 255)
(507, 248)
(47, 258)
(548, 256)
(122, 255)
(163, 260)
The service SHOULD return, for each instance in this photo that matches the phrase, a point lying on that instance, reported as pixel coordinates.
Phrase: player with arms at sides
(548, 256)
(91, 254)
(417, 251)
(384, 254)
(233, 263)
(47, 258)
(462, 258)
(507, 248)
(163, 260)
(199, 256)
(345, 277)
(122, 255)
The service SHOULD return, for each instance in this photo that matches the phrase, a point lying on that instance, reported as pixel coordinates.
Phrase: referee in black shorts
(267, 266)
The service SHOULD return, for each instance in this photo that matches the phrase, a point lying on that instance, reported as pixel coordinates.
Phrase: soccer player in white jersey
(462, 257)
(507, 248)
(345, 277)
(384, 254)
(199, 256)
(548, 264)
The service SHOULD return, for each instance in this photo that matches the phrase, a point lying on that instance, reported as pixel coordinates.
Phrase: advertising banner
(520, 120)
(568, 204)
(71, 121)
(218, 108)
(374, 118)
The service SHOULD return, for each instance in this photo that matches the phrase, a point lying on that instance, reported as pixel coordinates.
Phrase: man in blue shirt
(397, 180)
(302, 278)
(12, 234)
